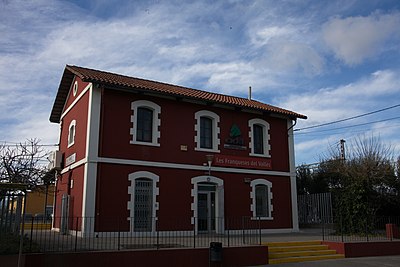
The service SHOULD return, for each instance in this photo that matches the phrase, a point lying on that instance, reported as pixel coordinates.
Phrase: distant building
(139, 155)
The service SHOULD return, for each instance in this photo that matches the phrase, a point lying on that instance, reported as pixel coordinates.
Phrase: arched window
(143, 203)
(207, 131)
(261, 195)
(144, 129)
(259, 138)
(145, 123)
(71, 133)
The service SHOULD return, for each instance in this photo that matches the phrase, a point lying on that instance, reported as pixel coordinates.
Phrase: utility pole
(342, 150)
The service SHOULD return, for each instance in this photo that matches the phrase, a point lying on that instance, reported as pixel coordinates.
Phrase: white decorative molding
(266, 137)
(71, 133)
(293, 186)
(219, 199)
(156, 122)
(215, 127)
(131, 191)
(189, 167)
(87, 88)
(253, 185)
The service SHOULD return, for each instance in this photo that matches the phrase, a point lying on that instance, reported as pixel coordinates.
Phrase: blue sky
(328, 60)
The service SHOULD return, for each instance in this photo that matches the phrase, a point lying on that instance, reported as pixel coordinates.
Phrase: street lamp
(210, 159)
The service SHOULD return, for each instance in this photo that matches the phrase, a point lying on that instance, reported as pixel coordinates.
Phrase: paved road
(384, 261)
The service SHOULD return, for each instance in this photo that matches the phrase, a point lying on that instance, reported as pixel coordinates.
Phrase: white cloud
(355, 39)
(289, 56)
(329, 104)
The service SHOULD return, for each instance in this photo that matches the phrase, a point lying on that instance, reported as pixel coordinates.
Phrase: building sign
(70, 159)
(235, 140)
(242, 162)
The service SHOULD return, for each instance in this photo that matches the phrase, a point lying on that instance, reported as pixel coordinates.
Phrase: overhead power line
(346, 119)
(351, 126)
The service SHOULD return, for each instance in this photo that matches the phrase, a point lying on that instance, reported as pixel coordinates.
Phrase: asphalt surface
(385, 261)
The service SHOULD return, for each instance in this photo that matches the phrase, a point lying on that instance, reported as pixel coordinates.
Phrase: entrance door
(206, 207)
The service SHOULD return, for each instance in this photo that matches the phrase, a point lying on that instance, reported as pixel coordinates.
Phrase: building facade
(145, 156)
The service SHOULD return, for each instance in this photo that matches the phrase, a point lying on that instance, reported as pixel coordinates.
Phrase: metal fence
(313, 208)
(121, 234)
(361, 229)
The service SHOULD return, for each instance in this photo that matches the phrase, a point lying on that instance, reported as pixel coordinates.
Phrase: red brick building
(149, 156)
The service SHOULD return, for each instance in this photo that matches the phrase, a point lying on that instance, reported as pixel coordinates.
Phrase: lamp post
(210, 159)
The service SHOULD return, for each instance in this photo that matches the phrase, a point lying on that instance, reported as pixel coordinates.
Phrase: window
(261, 196)
(143, 203)
(145, 123)
(261, 201)
(71, 133)
(75, 88)
(144, 129)
(259, 138)
(207, 131)
(143, 209)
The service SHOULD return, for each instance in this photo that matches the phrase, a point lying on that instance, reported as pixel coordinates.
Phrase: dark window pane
(144, 128)
(258, 137)
(206, 132)
(262, 201)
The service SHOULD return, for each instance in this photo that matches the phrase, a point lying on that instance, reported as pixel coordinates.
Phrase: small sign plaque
(70, 159)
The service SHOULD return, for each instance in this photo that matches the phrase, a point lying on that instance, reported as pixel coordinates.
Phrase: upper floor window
(145, 123)
(71, 133)
(207, 131)
(261, 194)
(259, 138)
(144, 129)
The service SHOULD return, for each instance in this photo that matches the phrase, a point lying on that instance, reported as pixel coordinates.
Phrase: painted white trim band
(188, 166)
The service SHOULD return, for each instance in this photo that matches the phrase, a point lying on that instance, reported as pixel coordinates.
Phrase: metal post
(243, 239)
(76, 232)
(341, 227)
(259, 230)
(30, 240)
(119, 234)
(158, 234)
(21, 239)
(194, 232)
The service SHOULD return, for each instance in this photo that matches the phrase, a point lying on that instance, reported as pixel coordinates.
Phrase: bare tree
(23, 163)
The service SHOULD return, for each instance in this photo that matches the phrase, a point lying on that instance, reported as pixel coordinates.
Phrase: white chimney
(249, 93)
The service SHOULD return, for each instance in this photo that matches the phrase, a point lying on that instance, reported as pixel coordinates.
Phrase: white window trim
(156, 122)
(131, 191)
(215, 127)
(253, 185)
(71, 125)
(266, 137)
(75, 88)
(219, 199)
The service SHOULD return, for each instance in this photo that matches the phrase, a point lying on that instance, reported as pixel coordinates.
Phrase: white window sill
(206, 149)
(260, 155)
(262, 218)
(143, 143)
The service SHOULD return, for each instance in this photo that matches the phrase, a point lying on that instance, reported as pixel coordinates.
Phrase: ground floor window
(261, 195)
(143, 203)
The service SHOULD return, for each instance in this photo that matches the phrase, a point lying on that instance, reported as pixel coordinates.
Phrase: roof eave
(62, 94)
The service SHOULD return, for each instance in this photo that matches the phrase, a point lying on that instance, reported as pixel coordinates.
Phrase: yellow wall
(35, 200)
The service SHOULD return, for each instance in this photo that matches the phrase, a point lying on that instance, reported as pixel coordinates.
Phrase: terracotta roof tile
(113, 79)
